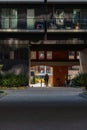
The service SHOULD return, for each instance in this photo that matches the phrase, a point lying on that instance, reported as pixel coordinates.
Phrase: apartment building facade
(36, 27)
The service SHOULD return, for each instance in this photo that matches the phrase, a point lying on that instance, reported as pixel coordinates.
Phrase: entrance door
(30, 18)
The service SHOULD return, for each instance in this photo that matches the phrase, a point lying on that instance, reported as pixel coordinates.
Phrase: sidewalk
(39, 85)
(84, 94)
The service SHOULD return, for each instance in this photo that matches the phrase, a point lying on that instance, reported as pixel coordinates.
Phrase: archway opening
(38, 76)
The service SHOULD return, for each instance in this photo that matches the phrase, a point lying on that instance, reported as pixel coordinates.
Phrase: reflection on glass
(5, 18)
(8, 18)
(13, 18)
(41, 55)
(30, 18)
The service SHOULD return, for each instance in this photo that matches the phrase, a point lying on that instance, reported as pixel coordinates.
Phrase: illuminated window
(33, 55)
(71, 54)
(77, 55)
(49, 55)
(41, 55)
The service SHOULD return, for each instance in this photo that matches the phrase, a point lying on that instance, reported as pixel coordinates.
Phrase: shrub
(80, 80)
(11, 80)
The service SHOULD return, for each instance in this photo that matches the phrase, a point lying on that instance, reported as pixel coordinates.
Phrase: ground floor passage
(17, 57)
(58, 75)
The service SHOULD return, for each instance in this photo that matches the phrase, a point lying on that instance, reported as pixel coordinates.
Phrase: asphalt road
(43, 109)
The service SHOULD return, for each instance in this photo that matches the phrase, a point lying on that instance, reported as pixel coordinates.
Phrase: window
(11, 55)
(49, 55)
(78, 55)
(30, 18)
(33, 55)
(41, 55)
(76, 16)
(71, 54)
(9, 18)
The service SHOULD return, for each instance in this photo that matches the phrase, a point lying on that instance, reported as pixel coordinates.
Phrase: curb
(3, 94)
(83, 95)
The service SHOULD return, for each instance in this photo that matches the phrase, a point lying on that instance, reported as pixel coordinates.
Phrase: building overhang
(43, 1)
(21, 1)
(67, 1)
(53, 63)
(58, 47)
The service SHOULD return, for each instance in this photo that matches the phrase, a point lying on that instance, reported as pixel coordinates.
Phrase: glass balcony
(41, 25)
(28, 24)
(65, 24)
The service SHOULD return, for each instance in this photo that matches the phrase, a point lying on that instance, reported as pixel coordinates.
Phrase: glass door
(30, 18)
(13, 18)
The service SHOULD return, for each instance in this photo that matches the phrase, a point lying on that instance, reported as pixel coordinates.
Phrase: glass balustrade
(35, 24)
(22, 24)
(67, 24)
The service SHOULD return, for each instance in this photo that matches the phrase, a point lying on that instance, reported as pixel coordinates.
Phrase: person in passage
(46, 79)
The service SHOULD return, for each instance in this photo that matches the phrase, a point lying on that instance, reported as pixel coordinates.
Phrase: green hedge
(11, 80)
(80, 80)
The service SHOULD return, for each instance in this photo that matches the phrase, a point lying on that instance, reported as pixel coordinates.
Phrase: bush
(11, 80)
(80, 80)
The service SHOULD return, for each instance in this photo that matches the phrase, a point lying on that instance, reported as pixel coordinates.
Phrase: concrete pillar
(83, 61)
(29, 67)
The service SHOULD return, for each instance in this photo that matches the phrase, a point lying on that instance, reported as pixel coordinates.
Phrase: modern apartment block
(43, 32)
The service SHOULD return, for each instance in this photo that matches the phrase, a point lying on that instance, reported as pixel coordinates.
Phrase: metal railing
(67, 23)
(43, 24)
(23, 24)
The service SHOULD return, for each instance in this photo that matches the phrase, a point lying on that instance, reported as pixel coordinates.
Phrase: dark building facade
(41, 25)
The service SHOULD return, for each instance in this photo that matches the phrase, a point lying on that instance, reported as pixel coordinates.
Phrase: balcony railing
(27, 24)
(37, 24)
(67, 24)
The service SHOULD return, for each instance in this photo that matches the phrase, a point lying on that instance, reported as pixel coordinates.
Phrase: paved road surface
(43, 109)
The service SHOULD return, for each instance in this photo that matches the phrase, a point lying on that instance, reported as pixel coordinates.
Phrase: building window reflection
(41, 55)
(30, 18)
(9, 18)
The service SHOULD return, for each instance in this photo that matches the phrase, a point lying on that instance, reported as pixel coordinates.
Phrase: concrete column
(83, 61)
(29, 61)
